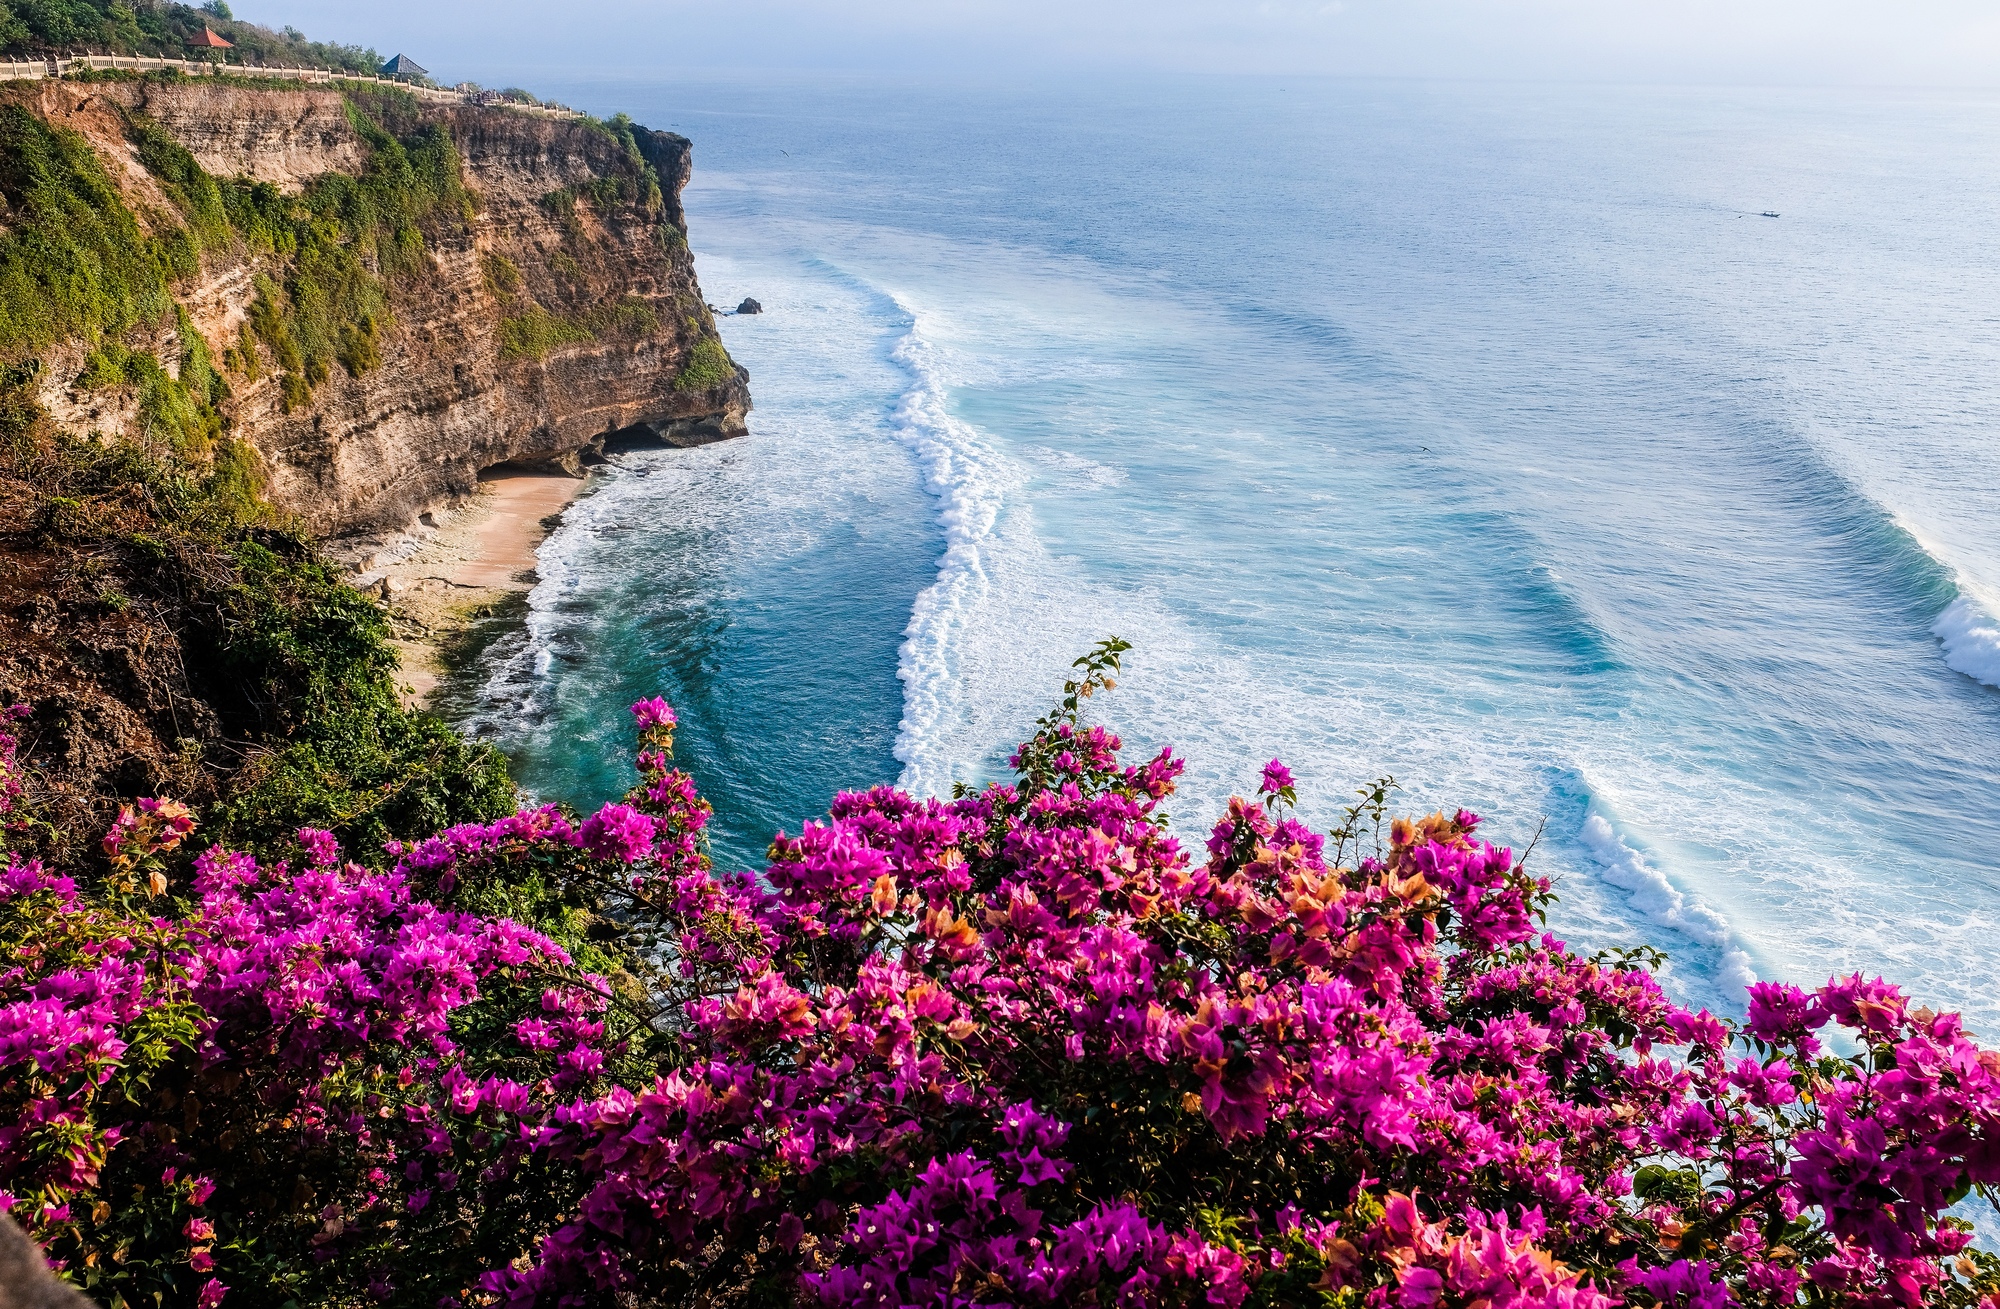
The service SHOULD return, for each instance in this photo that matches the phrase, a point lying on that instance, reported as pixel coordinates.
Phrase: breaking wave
(1657, 900)
(1970, 635)
(966, 476)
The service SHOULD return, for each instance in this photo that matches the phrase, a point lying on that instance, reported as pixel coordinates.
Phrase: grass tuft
(707, 367)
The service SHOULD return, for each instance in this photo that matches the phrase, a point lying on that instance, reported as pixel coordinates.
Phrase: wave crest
(1970, 635)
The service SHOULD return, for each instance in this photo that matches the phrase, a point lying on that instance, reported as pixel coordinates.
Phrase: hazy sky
(1892, 42)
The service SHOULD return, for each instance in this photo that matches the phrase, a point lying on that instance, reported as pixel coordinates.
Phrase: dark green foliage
(34, 27)
(312, 658)
(74, 261)
(295, 664)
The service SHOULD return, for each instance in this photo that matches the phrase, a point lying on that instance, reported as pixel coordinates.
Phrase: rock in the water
(749, 306)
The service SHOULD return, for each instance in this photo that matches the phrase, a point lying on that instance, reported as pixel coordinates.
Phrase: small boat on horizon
(1770, 213)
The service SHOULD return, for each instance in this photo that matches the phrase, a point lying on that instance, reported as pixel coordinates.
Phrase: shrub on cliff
(176, 636)
(708, 366)
(1016, 1048)
(171, 630)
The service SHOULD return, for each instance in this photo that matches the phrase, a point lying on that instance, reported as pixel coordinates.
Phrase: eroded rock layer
(450, 397)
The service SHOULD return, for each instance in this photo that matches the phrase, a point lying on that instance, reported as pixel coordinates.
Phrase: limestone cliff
(489, 353)
(219, 297)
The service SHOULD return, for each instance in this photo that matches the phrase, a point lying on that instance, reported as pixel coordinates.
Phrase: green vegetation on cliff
(75, 264)
(639, 187)
(159, 578)
(343, 240)
(74, 261)
(707, 367)
(78, 264)
(535, 332)
(172, 633)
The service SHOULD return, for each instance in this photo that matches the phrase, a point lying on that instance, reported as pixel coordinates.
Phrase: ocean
(1487, 436)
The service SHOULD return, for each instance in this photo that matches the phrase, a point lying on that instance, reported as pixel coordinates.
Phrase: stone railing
(29, 70)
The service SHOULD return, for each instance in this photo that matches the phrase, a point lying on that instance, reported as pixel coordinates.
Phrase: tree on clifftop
(32, 28)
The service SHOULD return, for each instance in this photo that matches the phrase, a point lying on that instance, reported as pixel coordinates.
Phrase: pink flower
(653, 713)
(322, 848)
(1682, 1285)
(211, 1295)
(618, 832)
(1780, 1015)
(957, 1018)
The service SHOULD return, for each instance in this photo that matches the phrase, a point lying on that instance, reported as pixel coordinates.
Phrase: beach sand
(478, 555)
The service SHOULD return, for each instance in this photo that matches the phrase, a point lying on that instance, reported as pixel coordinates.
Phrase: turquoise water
(1487, 436)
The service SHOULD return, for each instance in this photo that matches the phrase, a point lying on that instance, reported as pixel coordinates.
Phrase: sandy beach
(476, 556)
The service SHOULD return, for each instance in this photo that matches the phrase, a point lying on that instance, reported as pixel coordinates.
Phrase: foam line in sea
(1657, 900)
(963, 472)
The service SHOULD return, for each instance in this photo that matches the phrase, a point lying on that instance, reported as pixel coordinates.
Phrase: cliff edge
(546, 307)
(241, 322)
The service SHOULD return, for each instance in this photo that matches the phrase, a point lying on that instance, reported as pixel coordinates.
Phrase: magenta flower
(1021, 1046)
(1683, 1285)
(653, 713)
(618, 832)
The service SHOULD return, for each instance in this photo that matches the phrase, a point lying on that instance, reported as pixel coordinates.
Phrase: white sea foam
(1970, 635)
(1967, 630)
(989, 640)
(1660, 902)
(968, 477)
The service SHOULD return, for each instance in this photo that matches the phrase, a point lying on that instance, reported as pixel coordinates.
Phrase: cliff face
(501, 344)
(351, 308)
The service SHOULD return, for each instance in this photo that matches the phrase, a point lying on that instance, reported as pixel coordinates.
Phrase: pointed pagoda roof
(404, 66)
(208, 40)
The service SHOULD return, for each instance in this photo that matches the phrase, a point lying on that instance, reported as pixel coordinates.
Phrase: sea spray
(1970, 635)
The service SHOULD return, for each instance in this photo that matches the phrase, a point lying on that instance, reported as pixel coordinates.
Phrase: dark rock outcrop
(749, 306)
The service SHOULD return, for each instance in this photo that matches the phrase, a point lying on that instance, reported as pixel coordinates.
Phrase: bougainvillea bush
(1020, 1047)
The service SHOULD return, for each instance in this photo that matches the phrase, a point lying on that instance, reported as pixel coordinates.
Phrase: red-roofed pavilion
(208, 40)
